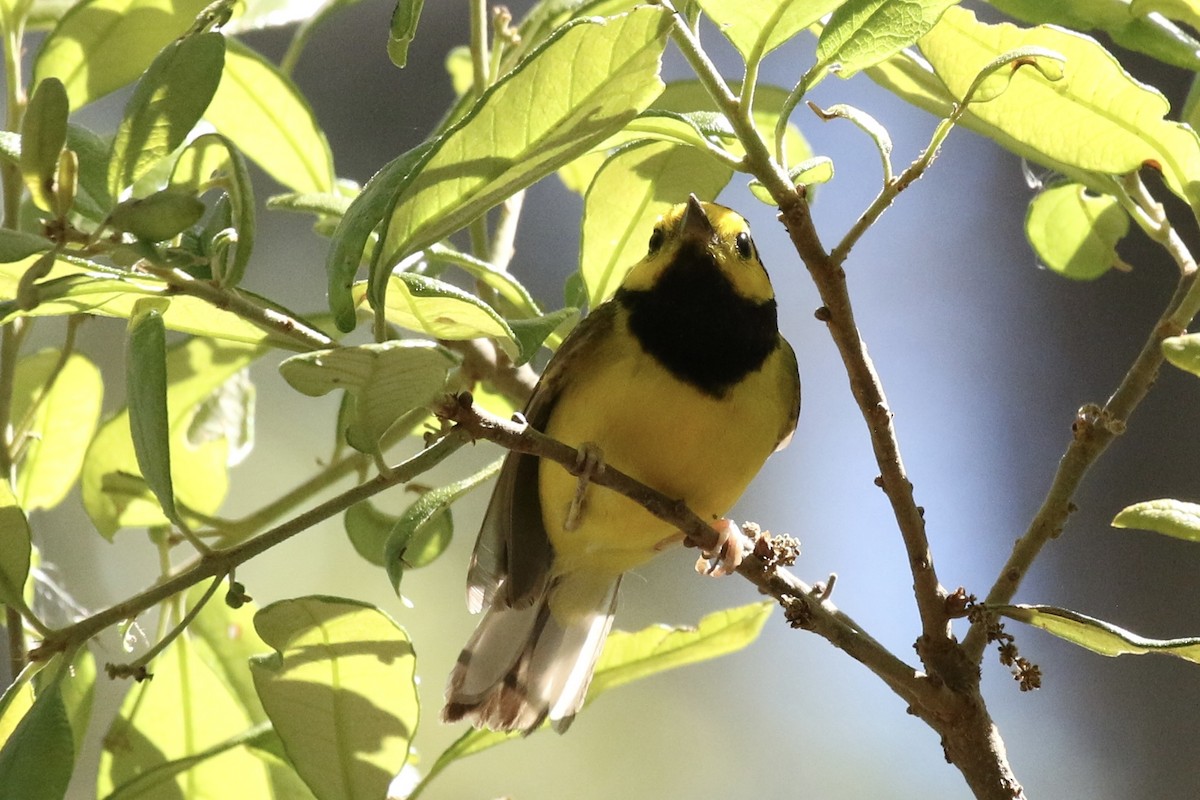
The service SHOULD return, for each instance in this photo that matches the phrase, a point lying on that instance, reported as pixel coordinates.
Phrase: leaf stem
(137, 667)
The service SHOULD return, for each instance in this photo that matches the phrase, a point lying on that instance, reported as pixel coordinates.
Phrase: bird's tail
(524, 665)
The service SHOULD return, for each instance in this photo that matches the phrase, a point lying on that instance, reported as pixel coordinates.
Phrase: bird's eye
(745, 247)
(656, 241)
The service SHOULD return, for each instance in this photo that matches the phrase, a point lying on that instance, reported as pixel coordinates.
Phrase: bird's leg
(726, 556)
(588, 462)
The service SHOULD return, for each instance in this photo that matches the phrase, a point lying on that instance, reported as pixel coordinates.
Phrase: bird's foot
(727, 555)
(588, 463)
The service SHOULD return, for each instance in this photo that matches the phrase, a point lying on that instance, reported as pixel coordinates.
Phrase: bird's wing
(789, 378)
(513, 553)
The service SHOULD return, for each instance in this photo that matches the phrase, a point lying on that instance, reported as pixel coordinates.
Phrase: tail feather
(523, 665)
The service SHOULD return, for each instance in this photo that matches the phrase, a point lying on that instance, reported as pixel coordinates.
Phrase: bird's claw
(725, 558)
(588, 462)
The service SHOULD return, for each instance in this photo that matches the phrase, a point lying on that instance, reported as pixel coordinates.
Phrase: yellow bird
(680, 380)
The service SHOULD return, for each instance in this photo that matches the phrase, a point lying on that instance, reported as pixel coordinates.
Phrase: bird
(681, 380)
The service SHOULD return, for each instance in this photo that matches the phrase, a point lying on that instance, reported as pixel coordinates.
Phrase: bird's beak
(696, 225)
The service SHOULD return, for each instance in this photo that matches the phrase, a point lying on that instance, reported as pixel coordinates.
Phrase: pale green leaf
(631, 656)
(1157, 37)
(1183, 351)
(176, 744)
(441, 310)
(461, 69)
(1186, 11)
(1076, 233)
(424, 529)
(43, 134)
(504, 283)
(861, 33)
(167, 102)
(199, 476)
(340, 690)
(583, 84)
(264, 114)
(158, 216)
(78, 287)
(1097, 118)
(1168, 517)
(403, 29)
(387, 380)
(77, 686)
(368, 529)
(101, 45)
(63, 421)
(547, 329)
(146, 390)
(37, 759)
(757, 28)
(628, 194)
(15, 549)
(93, 153)
(211, 161)
(1097, 635)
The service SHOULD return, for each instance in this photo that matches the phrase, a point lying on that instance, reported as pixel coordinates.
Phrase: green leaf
(166, 104)
(43, 134)
(368, 529)
(403, 29)
(172, 735)
(365, 213)
(441, 310)
(387, 380)
(632, 190)
(195, 369)
(146, 389)
(1168, 517)
(61, 421)
(548, 329)
(504, 283)
(37, 760)
(158, 216)
(1155, 36)
(101, 45)
(18, 245)
(340, 691)
(861, 33)
(211, 161)
(1096, 118)
(1076, 233)
(423, 531)
(631, 656)
(757, 28)
(323, 204)
(1186, 11)
(264, 114)
(15, 549)
(583, 84)
(77, 687)
(93, 153)
(1097, 635)
(1183, 351)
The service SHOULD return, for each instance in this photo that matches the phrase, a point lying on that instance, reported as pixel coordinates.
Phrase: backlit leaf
(1097, 635)
(1169, 517)
(1076, 233)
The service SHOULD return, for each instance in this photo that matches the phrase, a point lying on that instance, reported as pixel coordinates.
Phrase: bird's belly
(667, 434)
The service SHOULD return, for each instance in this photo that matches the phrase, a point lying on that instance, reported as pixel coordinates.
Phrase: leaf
(631, 656)
(158, 216)
(1168, 517)
(441, 310)
(171, 737)
(166, 104)
(1075, 233)
(368, 528)
(61, 426)
(101, 45)
(1183, 351)
(15, 549)
(632, 190)
(77, 687)
(262, 112)
(403, 29)
(1097, 635)
(93, 153)
(75, 286)
(355, 228)
(43, 135)
(18, 245)
(580, 86)
(417, 538)
(198, 470)
(756, 29)
(340, 691)
(212, 161)
(37, 759)
(387, 380)
(504, 283)
(1155, 36)
(547, 329)
(1096, 118)
(861, 33)
(146, 389)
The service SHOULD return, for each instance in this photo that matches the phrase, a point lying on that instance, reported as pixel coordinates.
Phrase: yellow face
(717, 230)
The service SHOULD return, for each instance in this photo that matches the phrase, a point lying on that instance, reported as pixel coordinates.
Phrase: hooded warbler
(681, 380)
